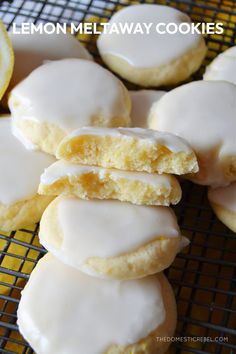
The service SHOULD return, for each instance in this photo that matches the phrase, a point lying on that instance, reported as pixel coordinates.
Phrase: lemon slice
(6, 59)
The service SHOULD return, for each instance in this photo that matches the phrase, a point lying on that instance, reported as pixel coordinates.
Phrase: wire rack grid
(203, 275)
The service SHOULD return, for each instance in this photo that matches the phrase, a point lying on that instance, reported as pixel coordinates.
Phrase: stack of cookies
(120, 240)
(108, 230)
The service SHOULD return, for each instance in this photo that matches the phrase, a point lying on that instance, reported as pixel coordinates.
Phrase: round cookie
(89, 182)
(223, 202)
(33, 50)
(142, 101)
(129, 149)
(76, 313)
(151, 58)
(107, 238)
(63, 95)
(203, 113)
(223, 67)
(20, 205)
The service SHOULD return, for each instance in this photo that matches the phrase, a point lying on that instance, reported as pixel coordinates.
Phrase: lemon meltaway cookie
(108, 238)
(65, 311)
(32, 50)
(149, 55)
(142, 101)
(203, 113)
(130, 149)
(223, 202)
(86, 182)
(223, 67)
(20, 204)
(63, 95)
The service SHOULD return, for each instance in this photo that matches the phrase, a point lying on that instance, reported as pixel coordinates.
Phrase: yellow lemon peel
(6, 59)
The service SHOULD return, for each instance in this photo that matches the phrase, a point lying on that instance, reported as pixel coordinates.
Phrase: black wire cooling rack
(203, 275)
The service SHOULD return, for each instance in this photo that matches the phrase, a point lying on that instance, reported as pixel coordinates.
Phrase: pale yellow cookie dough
(64, 311)
(223, 202)
(151, 236)
(130, 149)
(152, 59)
(88, 182)
(63, 95)
(24, 213)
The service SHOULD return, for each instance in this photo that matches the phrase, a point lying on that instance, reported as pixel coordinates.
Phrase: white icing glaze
(20, 168)
(32, 50)
(203, 113)
(105, 228)
(143, 50)
(65, 311)
(141, 103)
(69, 93)
(62, 168)
(223, 67)
(147, 136)
(224, 196)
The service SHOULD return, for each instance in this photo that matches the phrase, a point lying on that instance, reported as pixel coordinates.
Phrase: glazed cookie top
(20, 168)
(141, 103)
(70, 93)
(203, 113)
(94, 315)
(223, 67)
(32, 50)
(105, 228)
(62, 168)
(151, 49)
(224, 196)
(144, 136)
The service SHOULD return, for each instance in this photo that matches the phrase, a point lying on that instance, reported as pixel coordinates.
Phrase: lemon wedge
(6, 59)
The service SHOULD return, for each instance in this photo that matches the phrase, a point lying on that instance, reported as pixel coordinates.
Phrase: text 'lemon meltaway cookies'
(63, 95)
(152, 58)
(203, 113)
(20, 205)
(109, 238)
(32, 50)
(223, 202)
(130, 149)
(88, 182)
(65, 311)
(223, 67)
(142, 101)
